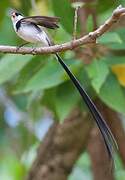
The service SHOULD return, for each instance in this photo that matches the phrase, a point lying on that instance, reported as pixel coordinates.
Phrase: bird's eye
(13, 15)
(16, 14)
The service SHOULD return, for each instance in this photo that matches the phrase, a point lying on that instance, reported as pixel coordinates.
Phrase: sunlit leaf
(119, 71)
(13, 168)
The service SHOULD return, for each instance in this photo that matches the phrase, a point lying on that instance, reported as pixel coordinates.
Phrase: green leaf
(114, 60)
(84, 161)
(31, 68)
(13, 169)
(10, 65)
(97, 72)
(106, 5)
(66, 99)
(49, 76)
(110, 37)
(3, 7)
(64, 10)
(120, 175)
(25, 6)
(121, 32)
(117, 46)
(89, 23)
(7, 34)
(50, 102)
(112, 94)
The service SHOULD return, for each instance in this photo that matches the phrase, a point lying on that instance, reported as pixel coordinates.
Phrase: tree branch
(90, 38)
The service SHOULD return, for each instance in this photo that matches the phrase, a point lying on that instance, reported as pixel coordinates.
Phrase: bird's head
(15, 16)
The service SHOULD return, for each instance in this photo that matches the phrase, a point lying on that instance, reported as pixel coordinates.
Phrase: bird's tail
(107, 135)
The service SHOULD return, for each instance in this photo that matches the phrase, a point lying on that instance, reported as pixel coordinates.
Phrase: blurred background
(35, 92)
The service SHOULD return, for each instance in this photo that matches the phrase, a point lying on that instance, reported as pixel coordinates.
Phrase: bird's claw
(20, 46)
(33, 51)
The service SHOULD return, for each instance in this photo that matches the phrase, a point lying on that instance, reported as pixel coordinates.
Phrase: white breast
(31, 34)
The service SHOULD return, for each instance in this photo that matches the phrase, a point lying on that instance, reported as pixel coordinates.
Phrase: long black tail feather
(107, 135)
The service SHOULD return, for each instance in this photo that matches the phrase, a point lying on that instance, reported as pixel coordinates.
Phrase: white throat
(16, 20)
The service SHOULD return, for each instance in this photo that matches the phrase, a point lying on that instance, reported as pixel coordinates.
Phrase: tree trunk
(61, 148)
(101, 165)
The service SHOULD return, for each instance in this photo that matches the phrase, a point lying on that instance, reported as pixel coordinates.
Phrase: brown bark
(61, 147)
(101, 165)
(115, 124)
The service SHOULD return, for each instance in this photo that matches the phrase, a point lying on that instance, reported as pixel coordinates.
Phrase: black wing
(45, 21)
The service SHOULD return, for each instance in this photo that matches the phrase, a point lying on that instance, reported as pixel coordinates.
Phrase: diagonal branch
(90, 38)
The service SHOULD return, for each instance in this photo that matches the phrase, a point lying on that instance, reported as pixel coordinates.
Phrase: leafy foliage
(112, 94)
(48, 76)
(10, 65)
(102, 7)
(97, 71)
(33, 85)
(110, 37)
(64, 10)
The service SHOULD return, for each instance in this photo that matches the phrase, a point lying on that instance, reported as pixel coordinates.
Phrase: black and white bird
(31, 29)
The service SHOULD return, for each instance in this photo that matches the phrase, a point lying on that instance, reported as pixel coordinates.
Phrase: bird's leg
(18, 47)
(34, 48)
